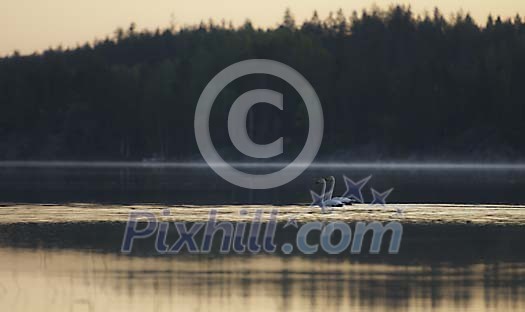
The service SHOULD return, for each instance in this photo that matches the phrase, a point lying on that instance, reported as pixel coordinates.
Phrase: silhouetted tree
(392, 86)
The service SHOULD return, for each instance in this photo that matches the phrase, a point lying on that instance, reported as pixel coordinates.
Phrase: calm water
(138, 182)
(64, 280)
(78, 267)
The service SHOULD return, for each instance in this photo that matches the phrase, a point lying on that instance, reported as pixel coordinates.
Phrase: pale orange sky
(29, 25)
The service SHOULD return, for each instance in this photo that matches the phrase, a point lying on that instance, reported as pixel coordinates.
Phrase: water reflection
(67, 280)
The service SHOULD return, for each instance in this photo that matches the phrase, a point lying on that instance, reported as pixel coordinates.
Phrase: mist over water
(393, 165)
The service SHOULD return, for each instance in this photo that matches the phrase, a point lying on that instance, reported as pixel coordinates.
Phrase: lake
(61, 228)
(197, 184)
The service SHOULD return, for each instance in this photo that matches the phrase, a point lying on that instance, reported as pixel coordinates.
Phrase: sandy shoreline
(412, 213)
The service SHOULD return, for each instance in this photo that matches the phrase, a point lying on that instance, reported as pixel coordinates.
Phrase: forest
(394, 86)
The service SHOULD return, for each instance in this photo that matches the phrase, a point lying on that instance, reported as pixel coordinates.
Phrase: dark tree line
(393, 86)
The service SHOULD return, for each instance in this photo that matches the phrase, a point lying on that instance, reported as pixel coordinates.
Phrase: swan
(330, 202)
(328, 196)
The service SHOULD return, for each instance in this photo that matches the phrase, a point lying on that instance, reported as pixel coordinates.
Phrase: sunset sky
(34, 25)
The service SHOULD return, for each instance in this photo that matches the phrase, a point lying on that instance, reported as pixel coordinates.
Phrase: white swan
(330, 202)
(344, 200)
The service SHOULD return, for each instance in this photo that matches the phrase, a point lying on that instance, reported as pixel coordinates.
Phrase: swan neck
(323, 191)
(331, 191)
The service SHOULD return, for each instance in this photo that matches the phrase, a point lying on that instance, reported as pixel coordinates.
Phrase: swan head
(330, 178)
(320, 180)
